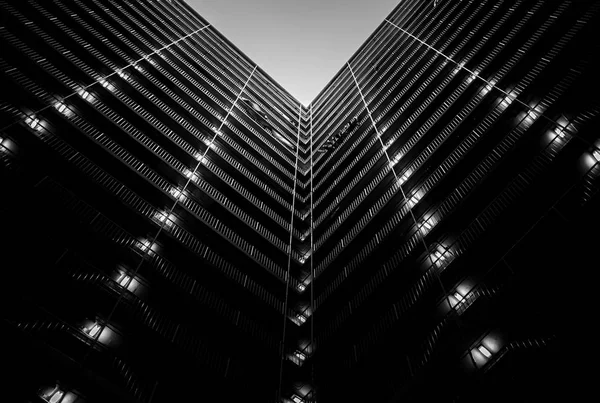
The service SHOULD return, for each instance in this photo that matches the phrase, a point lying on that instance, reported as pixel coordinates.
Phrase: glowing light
(405, 177)
(596, 155)
(458, 297)
(123, 279)
(177, 193)
(559, 131)
(486, 353)
(144, 245)
(426, 226)
(198, 157)
(191, 175)
(168, 220)
(508, 100)
(297, 399)
(86, 95)
(61, 107)
(414, 199)
(396, 159)
(301, 287)
(33, 122)
(54, 395)
(123, 74)
(299, 355)
(300, 319)
(104, 83)
(138, 67)
(92, 330)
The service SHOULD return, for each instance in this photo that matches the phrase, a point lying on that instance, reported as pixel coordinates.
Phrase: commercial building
(178, 227)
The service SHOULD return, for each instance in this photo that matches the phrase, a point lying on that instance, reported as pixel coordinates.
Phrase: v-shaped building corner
(176, 227)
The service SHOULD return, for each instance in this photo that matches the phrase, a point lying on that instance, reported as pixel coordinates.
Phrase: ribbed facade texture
(177, 227)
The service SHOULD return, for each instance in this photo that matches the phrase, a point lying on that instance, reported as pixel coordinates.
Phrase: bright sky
(300, 43)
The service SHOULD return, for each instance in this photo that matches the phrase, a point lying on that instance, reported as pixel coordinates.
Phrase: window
(123, 279)
(405, 177)
(52, 395)
(123, 74)
(394, 161)
(198, 157)
(177, 193)
(191, 175)
(167, 219)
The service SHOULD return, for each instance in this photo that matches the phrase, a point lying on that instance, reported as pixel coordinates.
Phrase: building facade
(178, 227)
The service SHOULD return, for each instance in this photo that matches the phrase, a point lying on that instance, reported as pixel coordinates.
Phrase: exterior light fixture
(52, 395)
(86, 95)
(299, 355)
(300, 319)
(33, 122)
(484, 351)
(61, 107)
(92, 330)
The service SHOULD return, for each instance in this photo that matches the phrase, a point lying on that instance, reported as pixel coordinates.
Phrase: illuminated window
(198, 157)
(123, 74)
(484, 351)
(106, 84)
(33, 122)
(405, 177)
(124, 279)
(396, 159)
(300, 355)
(53, 395)
(93, 330)
(145, 245)
(414, 199)
(426, 226)
(508, 100)
(300, 319)
(168, 220)
(559, 131)
(191, 175)
(177, 193)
